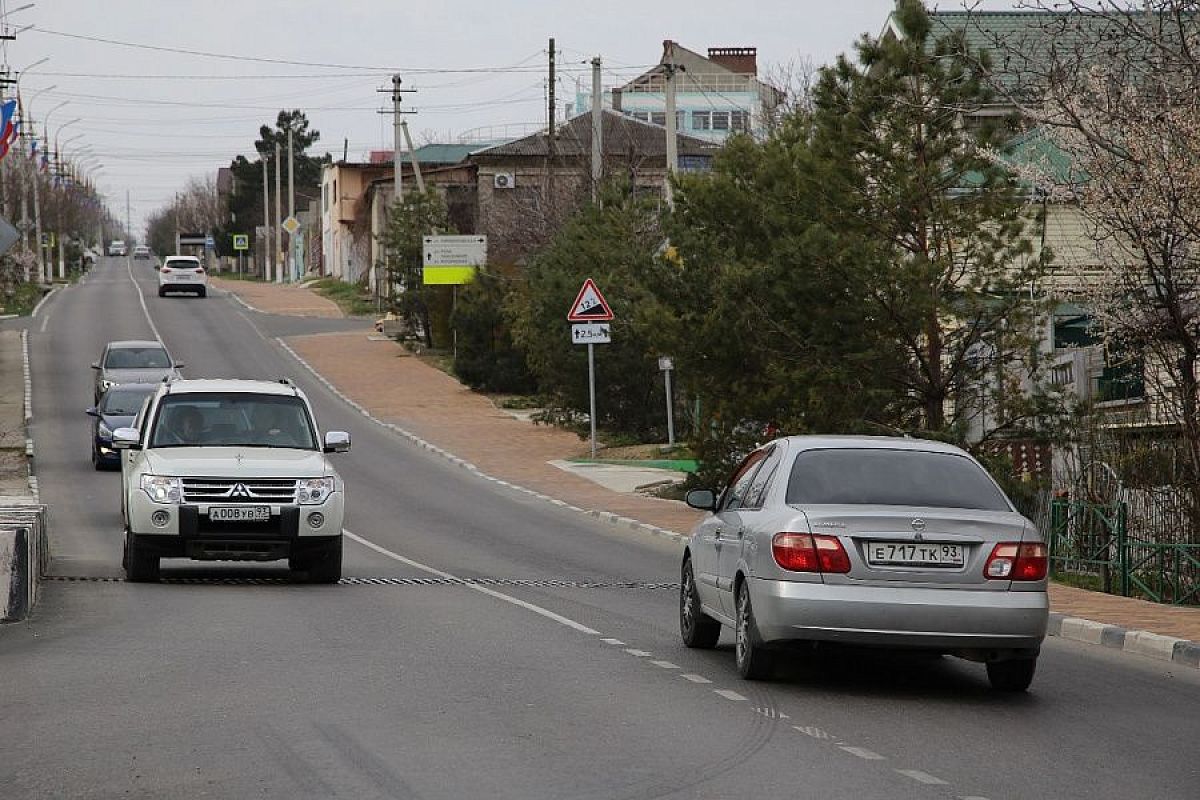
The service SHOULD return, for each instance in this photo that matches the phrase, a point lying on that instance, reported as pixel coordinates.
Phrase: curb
(26, 375)
(247, 306)
(42, 302)
(1144, 643)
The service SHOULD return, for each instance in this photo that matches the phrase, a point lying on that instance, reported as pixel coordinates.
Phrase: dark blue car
(116, 409)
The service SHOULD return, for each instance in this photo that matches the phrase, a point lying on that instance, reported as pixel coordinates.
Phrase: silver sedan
(870, 541)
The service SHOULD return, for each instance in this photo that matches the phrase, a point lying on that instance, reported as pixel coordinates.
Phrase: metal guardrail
(1094, 542)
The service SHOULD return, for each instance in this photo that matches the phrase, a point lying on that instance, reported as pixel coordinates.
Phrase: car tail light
(199, 270)
(165, 269)
(807, 552)
(1016, 561)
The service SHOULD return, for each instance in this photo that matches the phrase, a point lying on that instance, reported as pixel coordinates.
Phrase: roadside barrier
(24, 557)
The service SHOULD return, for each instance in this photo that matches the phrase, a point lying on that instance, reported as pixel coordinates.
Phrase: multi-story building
(715, 96)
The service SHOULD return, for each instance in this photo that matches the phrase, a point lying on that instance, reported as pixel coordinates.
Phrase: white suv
(182, 274)
(230, 470)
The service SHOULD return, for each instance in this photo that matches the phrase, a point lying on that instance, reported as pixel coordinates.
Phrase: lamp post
(62, 252)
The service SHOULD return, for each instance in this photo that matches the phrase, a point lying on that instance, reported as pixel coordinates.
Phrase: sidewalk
(271, 298)
(399, 388)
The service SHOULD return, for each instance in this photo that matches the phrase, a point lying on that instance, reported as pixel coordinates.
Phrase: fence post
(1058, 524)
(1123, 545)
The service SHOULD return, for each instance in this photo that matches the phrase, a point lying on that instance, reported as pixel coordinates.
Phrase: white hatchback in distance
(182, 274)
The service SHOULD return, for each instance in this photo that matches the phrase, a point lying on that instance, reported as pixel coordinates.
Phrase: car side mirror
(126, 439)
(92, 412)
(180, 365)
(337, 442)
(703, 499)
(96, 365)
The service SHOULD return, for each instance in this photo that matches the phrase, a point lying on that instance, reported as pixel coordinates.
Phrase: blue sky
(153, 118)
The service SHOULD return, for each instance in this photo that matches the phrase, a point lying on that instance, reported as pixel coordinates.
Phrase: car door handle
(741, 532)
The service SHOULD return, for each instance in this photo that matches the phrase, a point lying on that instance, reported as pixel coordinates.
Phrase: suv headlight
(162, 489)
(104, 431)
(311, 491)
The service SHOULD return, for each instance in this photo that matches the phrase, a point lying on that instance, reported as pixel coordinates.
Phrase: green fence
(1145, 555)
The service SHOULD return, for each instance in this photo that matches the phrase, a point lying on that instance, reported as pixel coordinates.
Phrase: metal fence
(1138, 545)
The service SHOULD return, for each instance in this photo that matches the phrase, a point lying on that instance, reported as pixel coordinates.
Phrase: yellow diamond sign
(291, 225)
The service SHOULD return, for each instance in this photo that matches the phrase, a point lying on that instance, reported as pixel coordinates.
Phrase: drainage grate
(532, 583)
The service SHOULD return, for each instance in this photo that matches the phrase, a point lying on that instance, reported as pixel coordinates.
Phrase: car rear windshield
(177, 264)
(891, 478)
(137, 358)
(124, 402)
(236, 419)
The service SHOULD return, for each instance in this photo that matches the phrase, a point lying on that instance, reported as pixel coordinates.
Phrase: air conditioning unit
(503, 180)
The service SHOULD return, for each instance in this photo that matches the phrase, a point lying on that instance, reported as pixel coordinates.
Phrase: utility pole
(129, 222)
(597, 131)
(37, 224)
(176, 216)
(412, 154)
(550, 133)
(672, 138)
(291, 207)
(397, 165)
(278, 217)
(266, 220)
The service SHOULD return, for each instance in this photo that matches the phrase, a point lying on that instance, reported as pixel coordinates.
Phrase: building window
(659, 118)
(740, 121)
(701, 120)
(720, 120)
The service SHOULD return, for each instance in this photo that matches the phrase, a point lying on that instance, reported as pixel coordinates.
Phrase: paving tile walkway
(400, 388)
(279, 298)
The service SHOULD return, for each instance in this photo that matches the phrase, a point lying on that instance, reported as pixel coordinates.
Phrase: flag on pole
(8, 126)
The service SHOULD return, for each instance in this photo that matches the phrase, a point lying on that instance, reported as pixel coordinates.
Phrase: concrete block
(1153, 645)
(1082, 630)
(15, 578)
(1114, 637)
(1187, 653)
(1054, 624)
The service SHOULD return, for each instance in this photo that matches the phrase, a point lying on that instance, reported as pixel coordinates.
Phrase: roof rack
(285, 381)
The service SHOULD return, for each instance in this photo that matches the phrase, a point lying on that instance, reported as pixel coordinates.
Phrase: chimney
(742, 60)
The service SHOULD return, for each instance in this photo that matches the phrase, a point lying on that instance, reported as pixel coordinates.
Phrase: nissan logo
(918, 525)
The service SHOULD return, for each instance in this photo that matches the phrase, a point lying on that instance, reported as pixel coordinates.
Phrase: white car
(182, 274)
(116, 248)
(230, 470)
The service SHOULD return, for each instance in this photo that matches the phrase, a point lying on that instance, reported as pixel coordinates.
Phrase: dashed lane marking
(637, 653)
(862, 752)
(921, 777)
(665, 664)
(814, 732)
(142, 299)
(729, 694)
(695, 678)
(612, 641)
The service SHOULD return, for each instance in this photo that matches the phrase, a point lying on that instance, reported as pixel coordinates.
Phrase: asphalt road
(560, 677)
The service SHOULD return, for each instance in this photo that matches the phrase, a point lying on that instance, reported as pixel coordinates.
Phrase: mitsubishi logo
(239, 490)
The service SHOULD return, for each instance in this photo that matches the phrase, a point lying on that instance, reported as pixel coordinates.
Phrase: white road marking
(922, 777)
(46, 320)
(813, 731)
(665, 664)
(42, 302)
(729, 694)
(612, 641)
(637, 653)
(142, 300)
(695, 678)
(771, 713)
(862, 752)
(544, 612)
(973, 797)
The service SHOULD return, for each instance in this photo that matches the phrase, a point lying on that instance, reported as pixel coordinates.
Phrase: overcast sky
(153, 117)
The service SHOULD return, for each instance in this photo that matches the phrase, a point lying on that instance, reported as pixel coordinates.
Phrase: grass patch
(350, 297)
(23, 299)
(236, 276)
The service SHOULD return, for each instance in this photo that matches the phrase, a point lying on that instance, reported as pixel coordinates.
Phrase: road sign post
(589, 308)
(666, 364)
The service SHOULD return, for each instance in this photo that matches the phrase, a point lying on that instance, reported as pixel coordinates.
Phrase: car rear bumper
(941, 619)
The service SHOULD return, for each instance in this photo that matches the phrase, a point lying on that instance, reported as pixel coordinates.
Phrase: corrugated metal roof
(622, 136)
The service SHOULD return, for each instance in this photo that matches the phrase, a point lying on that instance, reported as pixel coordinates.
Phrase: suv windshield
(137, 358)
(891, 478)
(124, 402)
(181, 264)
(234, 419)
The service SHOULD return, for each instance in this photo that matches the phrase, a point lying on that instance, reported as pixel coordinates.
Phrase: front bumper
(189, 533)
(940, 619)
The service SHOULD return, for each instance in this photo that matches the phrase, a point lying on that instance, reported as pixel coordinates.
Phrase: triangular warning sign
(590, 305)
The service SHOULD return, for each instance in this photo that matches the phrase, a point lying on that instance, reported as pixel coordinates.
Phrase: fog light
(160, 518)
(316, 519)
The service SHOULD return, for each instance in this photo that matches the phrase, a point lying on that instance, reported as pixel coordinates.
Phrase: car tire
(1013, 675)
(697, 629)
(323, 565)
(96, 463)
(202, 292)
(162, 291)
(754, 661)
(141, 566)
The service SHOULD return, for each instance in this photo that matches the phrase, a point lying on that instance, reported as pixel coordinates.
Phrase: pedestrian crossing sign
(590, 305)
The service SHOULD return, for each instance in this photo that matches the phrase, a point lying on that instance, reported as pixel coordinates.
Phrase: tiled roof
(622, 137)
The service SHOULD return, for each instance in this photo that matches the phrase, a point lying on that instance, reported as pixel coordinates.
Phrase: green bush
(486, 358)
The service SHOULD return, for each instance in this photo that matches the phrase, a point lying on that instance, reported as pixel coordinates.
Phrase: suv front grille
(252, 490)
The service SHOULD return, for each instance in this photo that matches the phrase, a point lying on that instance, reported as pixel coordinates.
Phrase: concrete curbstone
(1054, 624)
(1082, 630)
(1186, 653)
(1153, 645)
(1113, 636)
